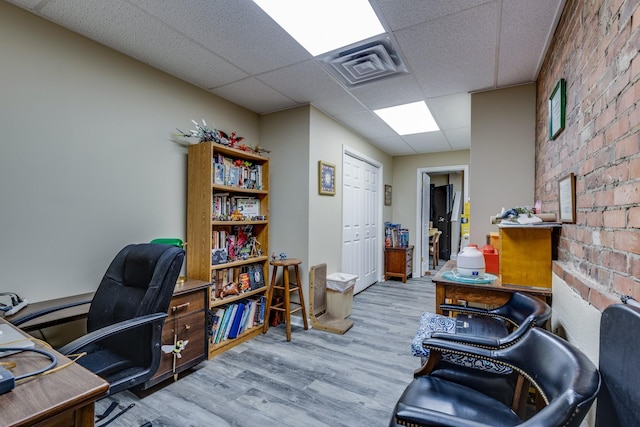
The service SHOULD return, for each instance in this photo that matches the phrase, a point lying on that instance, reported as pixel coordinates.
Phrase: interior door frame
(346, 150)
(417, 251)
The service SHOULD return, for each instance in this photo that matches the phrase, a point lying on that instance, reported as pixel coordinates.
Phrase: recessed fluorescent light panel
(408, 119)
(324, 25)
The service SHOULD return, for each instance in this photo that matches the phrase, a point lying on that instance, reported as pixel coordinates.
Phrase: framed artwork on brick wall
(567, 198)
(557, 109)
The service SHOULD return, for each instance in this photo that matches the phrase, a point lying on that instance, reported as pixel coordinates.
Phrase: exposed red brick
(615, 218)
(628, 241)
(634, 217)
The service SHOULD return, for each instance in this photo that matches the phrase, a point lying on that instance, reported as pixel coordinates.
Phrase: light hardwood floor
(317, 379)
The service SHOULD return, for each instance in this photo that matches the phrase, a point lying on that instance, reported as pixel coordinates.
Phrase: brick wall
(596, 50)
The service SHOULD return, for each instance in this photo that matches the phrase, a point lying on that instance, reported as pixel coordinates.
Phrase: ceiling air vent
(364, 63)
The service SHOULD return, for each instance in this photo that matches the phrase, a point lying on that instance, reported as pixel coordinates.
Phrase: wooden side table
(398, 262)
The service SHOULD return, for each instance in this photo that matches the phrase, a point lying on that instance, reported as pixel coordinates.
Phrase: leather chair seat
(429, 400)
(499, 387)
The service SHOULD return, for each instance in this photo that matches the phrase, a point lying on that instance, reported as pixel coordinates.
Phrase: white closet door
(359, 219)
(370, 225)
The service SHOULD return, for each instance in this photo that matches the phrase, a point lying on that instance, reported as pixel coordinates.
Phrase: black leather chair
(501, 326)
(126, 316)
(565, 378)
(619, 400)
(492, 329)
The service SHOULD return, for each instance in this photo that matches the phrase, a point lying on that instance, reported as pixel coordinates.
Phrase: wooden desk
(494, 293)
(55, 318)
(62, 398)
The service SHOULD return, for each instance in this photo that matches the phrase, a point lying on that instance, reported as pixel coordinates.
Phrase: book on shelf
(256, 276)
(222, 325)
(237, 318)
(233, 308)
(245, 283)
(215, 323)
(245, 316)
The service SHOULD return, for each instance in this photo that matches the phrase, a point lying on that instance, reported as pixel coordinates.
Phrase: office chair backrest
(139, 281)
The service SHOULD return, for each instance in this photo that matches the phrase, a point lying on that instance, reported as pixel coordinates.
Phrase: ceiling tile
(400, 14)
(440, 53)
(393, 145)
(451, 111)
(458, 138)
(429, 142)
(255, 96)
(238, 31)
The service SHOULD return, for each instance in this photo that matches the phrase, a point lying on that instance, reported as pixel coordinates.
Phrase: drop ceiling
(231, 48)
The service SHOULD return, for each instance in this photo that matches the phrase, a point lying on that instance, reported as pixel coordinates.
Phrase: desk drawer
(189, 328)
(185, 304)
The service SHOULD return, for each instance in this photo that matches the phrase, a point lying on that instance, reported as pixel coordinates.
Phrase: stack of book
(231, 320)
(236, 173)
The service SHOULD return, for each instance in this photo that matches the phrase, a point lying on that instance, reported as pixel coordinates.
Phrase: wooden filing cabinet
(398, 262)
(186, 320)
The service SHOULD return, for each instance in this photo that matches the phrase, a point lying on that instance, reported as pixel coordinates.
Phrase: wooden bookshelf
(205, 220)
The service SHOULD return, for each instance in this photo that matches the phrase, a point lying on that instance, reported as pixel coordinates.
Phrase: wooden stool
(286, 304)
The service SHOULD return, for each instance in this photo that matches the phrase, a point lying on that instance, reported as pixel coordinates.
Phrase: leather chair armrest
(77, 345)
(462, 309)
(476, 340)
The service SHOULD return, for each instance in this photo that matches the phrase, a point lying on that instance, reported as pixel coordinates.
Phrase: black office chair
(566, 379)
(126, 316)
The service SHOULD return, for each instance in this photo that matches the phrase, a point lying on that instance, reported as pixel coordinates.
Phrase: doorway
(435, 177)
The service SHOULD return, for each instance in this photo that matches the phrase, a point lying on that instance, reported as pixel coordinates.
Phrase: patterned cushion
(429, 323)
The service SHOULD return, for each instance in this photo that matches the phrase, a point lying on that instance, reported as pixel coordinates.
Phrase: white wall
(86, 164)
(502, 164)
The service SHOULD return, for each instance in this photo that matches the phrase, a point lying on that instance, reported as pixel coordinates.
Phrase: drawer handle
(178, 307)
(187, 327)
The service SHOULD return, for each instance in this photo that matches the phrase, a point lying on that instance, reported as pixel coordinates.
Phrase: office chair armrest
(77, 345)
(475, 340)
(20, 320)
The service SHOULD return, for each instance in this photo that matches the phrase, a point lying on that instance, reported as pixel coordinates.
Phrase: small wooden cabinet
(186, 321)
(398, 262)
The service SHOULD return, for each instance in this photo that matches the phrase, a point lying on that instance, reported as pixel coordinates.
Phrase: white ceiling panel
(400, 14)
(457, 138)
(429, 142)
(451, 111)
(394, 146)
(254, 95)
(451, 48)
(238, 31)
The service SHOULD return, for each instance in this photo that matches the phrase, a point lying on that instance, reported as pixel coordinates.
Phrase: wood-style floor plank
(318, 379)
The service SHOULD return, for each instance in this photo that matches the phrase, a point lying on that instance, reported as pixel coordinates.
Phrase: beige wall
(502, 154)
(86, 161)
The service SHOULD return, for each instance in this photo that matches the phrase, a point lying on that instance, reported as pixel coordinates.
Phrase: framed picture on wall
(567, 198)
(326, 178)
(387, 195)
(557, 106)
